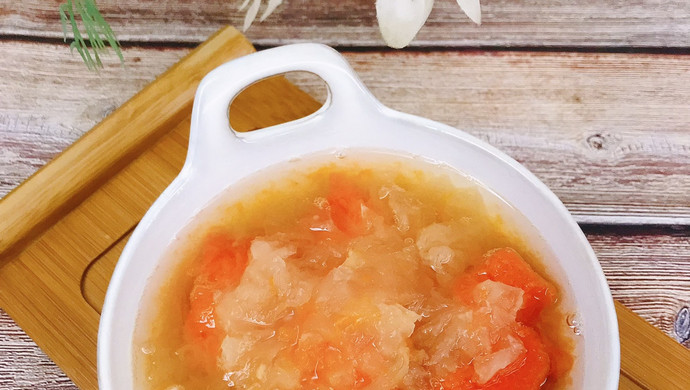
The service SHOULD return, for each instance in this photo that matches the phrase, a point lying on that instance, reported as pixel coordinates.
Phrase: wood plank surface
(609, 133)
(51, 99)
(651, 353)
(23, 365)
(144, 118)
(626, 383)
(593, 23)
(648, 270)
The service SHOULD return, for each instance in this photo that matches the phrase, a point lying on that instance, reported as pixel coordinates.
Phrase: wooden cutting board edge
(649, 358)
(69, 178)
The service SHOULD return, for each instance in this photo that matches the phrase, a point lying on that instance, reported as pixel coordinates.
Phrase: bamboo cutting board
(64, 228)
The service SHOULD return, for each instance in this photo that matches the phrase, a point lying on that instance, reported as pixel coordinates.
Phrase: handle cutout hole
(276, 100)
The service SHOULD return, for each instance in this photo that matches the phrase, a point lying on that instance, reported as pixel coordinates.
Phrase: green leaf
(98, 33)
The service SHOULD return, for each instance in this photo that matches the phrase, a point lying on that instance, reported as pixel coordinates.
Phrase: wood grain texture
(143, 118)
(647, 270)
(54, 100)
(626, 383)
(95, 279)
(594, 23)
(648, 358)
(22, 363)
(609, 133)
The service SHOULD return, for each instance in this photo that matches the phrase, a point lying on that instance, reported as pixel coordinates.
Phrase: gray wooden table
(593, 97)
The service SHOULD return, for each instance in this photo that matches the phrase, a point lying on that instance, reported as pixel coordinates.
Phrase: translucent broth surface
(344, 273)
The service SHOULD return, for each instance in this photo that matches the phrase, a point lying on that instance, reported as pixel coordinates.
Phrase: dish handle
(211, 136)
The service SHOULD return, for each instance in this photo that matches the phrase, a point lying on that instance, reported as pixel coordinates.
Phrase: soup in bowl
(357, 248)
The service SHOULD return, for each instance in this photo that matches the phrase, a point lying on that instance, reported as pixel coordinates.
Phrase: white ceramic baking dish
(353, 119)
